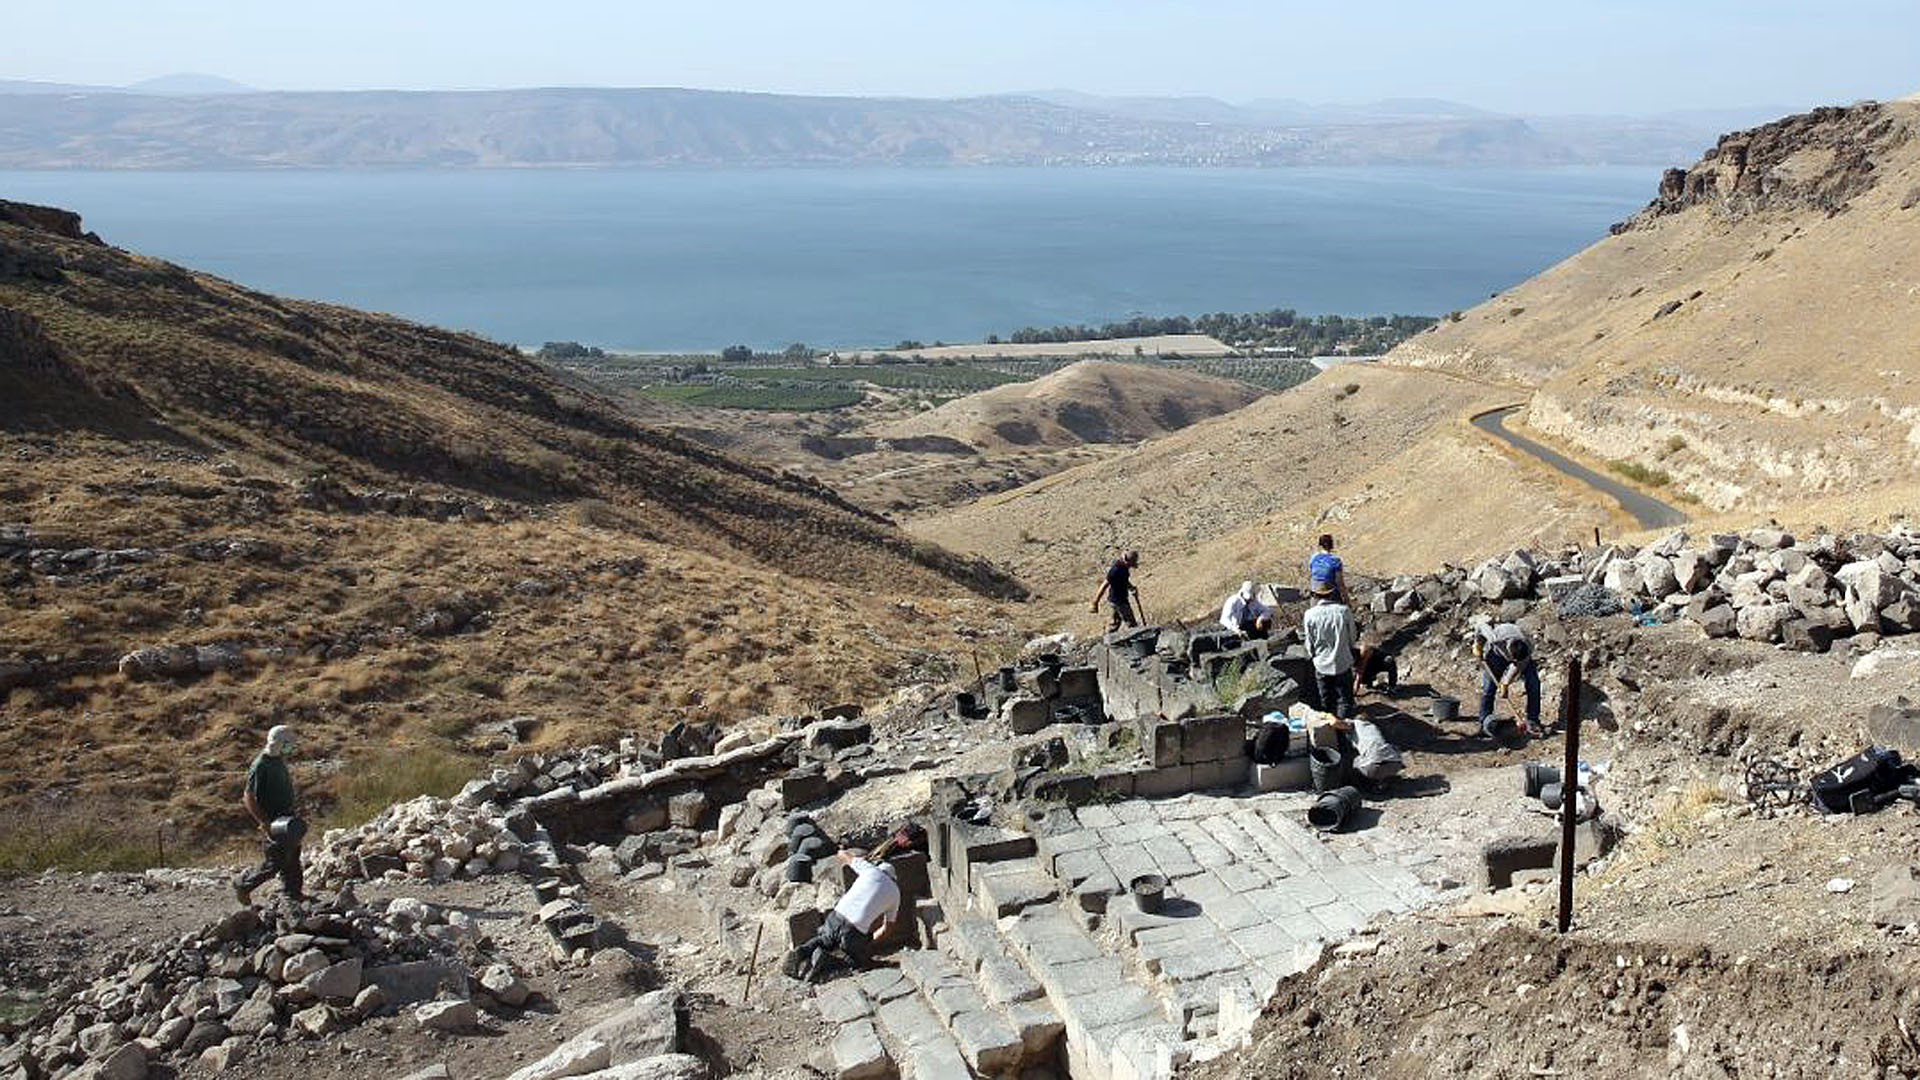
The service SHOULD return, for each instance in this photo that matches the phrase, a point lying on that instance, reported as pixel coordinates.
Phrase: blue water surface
(695, 260)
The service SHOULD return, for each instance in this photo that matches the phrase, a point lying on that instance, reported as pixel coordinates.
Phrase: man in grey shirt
(1506, 651)
(1328, 628)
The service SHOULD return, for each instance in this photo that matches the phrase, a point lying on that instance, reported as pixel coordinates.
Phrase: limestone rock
(452, 1017)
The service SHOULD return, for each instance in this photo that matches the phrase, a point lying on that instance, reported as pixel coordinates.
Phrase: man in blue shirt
(1324, 569)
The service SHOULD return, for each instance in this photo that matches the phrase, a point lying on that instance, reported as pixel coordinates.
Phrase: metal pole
(746, 992)
(1596, 536)
(1570, 788)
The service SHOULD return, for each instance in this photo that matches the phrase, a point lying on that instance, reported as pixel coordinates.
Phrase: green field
(777, 398)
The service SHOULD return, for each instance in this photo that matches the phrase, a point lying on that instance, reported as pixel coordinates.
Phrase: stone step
(927, 1050)
(988, 1042)
(856, 1050)
(1114, 1025)
(1009, 887)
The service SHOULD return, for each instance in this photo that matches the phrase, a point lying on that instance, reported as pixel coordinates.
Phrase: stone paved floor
(1253, 892)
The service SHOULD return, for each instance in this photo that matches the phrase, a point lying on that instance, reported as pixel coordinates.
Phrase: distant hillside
(192, 122)
(1748, 341)
(1092, 401)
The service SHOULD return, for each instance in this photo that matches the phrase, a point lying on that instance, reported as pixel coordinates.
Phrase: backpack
(1861, 783)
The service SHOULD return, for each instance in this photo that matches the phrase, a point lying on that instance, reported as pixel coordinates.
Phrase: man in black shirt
(1120, 592)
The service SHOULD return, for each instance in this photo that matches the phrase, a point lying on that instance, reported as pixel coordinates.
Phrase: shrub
(1641, 474)
(370, 785)
(72, 841)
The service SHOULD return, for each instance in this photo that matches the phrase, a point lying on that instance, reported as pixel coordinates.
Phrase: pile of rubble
(424, 838)
(1761, 585)
(260, 975)
(329, 493)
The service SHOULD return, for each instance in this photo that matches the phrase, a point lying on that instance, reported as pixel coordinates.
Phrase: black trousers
(1122, 614)
(281, 857)
(1336, 693)
(836, 939)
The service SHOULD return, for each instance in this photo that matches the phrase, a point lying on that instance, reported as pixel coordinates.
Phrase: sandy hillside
(1381, 457)
(393, 536)
(1093, 401)
(1751, 333)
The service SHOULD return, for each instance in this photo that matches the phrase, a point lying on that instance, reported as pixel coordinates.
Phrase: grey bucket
(1149, 892)
(1550, 795)
(1333, 808)
(1327, 767)
(1537, 776)
(1444, 708)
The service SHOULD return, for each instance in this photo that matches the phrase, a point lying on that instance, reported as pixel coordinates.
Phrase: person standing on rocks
(1329, 631)
(1506, 651)
(866, 912)
(269, 801)
(1325, 568)
(1120, 592)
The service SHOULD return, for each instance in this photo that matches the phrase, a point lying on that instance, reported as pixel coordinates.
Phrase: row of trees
(1280, 327)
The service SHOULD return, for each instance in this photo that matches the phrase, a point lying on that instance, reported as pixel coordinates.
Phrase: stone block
(1049, 937)
(1223, 774)
(1025, 715)
(1501, 858)
(1289, 774)
(1803, 635)
(1163, 781)
(645, 817)
(885, 984)
(988, 1044)
(842, 1002)
(1011, 888)
(687, 809)
(803, 924)
(418, 980)
(1115, 1005)
(1040, 1028)
(1005, 982)
(803, 787)
(1719, 621)
(1093, 894)
(1219, 737)
(858, 1053)
(1165, 742)
(1079, 683)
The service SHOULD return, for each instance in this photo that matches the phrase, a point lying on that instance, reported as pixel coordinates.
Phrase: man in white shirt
(1244, 614)
(868, 910)
(1328, 628)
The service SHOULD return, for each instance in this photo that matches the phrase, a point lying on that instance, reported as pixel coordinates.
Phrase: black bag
(1857, 784)
(1270, 746)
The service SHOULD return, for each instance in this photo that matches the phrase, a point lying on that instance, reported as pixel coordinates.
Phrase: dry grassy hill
(1381, 457)
(1093, 401)
(1751, 334)
(391, 535)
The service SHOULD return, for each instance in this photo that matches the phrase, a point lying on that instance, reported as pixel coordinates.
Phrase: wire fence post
(1570, 788)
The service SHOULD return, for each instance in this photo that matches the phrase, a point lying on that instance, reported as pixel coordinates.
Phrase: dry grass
(370, 785)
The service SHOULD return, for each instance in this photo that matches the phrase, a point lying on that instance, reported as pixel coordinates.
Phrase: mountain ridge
(667, 126)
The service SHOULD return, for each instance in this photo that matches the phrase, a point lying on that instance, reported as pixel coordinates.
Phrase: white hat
(280, 738)
(1246, 590)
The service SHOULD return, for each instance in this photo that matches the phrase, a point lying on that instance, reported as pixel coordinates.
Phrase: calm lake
(695, 260)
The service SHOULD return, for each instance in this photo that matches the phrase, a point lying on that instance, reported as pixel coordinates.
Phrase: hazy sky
(1510, 55)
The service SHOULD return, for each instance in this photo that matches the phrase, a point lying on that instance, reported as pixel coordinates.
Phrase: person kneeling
(865, 914)
(1244, 614)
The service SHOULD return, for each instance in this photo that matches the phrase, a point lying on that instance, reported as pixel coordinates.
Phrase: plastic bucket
(1327, 767)
(1333, 809)
(1444, 708)
(1149, 892)
(1550, 795)
(1537, 775)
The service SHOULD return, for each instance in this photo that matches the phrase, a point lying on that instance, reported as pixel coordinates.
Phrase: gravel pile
(1591, 602)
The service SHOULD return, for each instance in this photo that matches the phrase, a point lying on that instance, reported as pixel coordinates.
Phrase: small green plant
(1676, 443)
(1641, 474)
(373, 784)
(65, 842)
(1232, 685)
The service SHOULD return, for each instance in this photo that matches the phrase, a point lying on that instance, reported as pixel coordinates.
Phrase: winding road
(1646, 511)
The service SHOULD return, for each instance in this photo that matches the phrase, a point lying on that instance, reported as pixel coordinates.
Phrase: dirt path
(1647, 511)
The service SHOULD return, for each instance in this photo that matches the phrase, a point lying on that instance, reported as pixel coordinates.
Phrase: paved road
(1647, 511)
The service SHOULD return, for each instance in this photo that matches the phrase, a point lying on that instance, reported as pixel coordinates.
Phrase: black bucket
(965, 704)
(1550, 795)
(1270, 746)
(1327, 767)
(1538, 775)
(1333, 809)
(1006, 679)
(1149, 892)
(799, 868)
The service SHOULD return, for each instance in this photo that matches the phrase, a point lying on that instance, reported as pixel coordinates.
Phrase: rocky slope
(1747, 339)
(226, 510)
(1093, 401)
